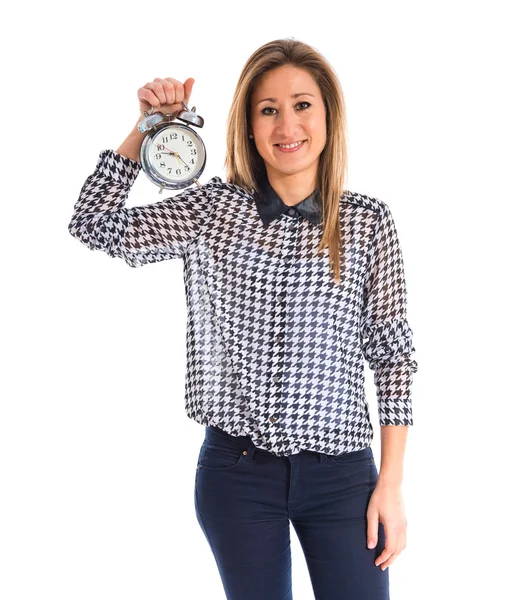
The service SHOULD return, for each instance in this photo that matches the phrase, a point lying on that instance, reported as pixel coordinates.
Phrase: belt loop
(322, 457)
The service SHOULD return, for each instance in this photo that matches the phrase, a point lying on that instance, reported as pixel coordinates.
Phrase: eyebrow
(292, 96)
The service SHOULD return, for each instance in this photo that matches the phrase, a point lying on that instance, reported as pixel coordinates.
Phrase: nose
(288, 124)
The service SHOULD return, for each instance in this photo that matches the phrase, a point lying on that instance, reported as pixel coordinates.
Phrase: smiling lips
(290, 147)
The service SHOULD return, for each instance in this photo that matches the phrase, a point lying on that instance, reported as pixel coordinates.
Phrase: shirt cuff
(117, 167)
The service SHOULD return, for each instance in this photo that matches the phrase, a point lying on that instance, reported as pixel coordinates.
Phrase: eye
(271, 108)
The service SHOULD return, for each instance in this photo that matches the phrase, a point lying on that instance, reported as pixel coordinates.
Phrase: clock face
(176, 153)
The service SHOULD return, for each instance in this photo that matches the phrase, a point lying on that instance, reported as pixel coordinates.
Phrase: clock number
(179, 171)
(193, 151)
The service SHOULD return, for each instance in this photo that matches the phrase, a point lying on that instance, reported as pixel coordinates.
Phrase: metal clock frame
(149, 169)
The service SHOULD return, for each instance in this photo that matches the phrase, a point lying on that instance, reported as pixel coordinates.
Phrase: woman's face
(284, 119)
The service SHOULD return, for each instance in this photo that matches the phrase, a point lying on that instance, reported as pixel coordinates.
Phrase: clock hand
(179, 157)
(169, 151)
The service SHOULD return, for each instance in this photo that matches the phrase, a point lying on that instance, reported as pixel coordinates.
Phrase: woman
(291, 283)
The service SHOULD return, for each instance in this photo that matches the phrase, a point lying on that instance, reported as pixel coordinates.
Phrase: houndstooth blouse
(275, 348)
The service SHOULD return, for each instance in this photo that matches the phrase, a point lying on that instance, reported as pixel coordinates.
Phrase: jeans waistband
(244, 442)
(238, 441)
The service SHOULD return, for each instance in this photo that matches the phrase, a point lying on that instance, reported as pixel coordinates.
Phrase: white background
(97, 457)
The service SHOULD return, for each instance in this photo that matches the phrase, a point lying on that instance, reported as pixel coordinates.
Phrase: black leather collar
(270, 206)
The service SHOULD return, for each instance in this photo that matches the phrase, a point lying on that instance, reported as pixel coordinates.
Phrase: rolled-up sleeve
(387, 339)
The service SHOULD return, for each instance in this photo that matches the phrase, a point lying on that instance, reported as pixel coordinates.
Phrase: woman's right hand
(165, 95)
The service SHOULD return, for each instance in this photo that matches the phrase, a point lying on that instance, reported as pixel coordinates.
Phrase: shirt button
(291, 211)
(280, 297)
(276, 378)
(273, 419)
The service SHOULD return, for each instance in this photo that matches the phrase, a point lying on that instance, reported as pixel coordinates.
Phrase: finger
(390, 561)
(149, 92)
(400, 545)
(401, 537)
(179, 93)
(386, 563)
(170, 84)
(372, 529)
(148, 96)
(384, 556)
(167, 92)
(158, 89)
(177, 88)
(187, 86)
(390, 544)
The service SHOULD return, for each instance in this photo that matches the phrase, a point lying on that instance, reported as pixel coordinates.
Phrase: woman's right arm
(142, 234)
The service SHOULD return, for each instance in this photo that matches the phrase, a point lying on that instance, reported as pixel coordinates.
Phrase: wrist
(135, 133)
(389, 479)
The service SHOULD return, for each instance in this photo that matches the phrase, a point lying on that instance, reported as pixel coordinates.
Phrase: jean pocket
(220, 456)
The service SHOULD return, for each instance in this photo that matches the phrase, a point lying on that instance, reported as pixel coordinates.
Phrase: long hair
(244, 164)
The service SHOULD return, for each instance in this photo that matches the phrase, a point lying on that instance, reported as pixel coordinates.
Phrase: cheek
(317, 126)
(257, 121)
(318, 139)
(263, 136)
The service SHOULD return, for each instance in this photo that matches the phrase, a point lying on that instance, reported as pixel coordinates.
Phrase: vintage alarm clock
(172, 154)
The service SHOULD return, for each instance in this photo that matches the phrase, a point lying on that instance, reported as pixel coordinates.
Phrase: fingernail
(371, 544)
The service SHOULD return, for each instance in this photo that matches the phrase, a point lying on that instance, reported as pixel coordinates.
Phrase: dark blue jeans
(246, 497)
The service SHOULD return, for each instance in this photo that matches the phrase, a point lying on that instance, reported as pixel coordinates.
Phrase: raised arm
(386, 336)
(142, 234)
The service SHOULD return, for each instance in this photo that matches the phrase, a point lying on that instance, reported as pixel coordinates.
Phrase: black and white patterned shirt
(275, 348)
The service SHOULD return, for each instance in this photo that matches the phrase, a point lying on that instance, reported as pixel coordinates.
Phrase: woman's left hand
(387, 506)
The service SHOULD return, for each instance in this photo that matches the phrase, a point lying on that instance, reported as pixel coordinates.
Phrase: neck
(294, 187)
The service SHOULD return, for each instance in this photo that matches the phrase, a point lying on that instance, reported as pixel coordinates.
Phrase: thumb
(187, 86)
(372, 529)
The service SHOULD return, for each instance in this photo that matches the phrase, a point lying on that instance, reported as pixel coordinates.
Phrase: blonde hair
(243, 162)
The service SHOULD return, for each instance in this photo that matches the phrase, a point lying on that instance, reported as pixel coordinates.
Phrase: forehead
(284, 80)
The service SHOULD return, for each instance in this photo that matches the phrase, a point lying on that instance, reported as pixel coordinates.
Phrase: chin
(288, 169)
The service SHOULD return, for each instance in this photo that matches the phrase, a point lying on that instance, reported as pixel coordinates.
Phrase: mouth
(290, 147)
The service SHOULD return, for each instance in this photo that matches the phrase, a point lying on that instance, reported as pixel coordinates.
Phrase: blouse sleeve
(386, 336)
(141, 234)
